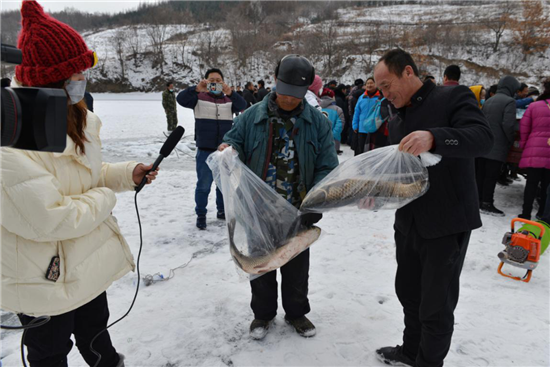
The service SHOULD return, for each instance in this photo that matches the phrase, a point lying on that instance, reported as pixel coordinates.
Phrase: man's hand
(143, 170)
(226, 90)
(309, 219)
(417, 142)
(202, 86)
(223, 146)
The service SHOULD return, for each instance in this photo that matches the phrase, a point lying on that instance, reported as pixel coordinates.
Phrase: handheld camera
(32, 118)
(214, 87)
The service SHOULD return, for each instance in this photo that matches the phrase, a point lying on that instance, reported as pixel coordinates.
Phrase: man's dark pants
(534, 177)
(487, 173)
(204, 184)
(294, 289)
(427, 285)
(48, 345)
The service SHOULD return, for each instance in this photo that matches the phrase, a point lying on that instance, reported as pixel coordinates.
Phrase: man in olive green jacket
(290, 145)
(169, 104)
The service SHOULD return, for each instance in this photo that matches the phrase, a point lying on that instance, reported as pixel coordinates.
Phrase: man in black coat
(262, 92)
(433, 231)
(248, 94)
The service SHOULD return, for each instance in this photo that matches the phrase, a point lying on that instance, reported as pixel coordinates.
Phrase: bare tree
(533, 32)
(208, 46)
(158, 33)
(118, 41)
(329, 44)
(501, 21)
(133, 42)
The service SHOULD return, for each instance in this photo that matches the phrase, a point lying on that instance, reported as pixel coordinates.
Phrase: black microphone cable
(36, 322)
(137, 288)
(165, 151)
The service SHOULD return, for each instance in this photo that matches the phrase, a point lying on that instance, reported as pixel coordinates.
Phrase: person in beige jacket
(61, 245)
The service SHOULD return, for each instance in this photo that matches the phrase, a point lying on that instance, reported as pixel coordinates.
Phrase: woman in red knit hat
(61, 245)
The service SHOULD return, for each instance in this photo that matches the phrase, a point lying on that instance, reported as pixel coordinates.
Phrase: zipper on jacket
(269, 149)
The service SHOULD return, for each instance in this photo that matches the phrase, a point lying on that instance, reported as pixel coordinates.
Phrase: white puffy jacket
(60, 204)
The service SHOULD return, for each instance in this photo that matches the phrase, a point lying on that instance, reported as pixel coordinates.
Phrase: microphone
(165, 151)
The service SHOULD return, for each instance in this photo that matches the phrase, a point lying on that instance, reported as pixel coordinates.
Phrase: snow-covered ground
(201, 316)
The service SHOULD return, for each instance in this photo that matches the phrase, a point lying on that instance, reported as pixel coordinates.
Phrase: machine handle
(526, 221)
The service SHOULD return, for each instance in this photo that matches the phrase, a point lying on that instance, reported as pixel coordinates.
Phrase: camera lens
(11, 117)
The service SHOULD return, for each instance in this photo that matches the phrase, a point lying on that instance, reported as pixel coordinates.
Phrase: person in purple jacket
(535, 141)
(214, 109)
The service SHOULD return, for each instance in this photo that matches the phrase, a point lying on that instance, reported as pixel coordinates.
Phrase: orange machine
(522, 249)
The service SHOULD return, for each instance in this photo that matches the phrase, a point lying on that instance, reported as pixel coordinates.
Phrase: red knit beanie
(327, 92)
(52, 51)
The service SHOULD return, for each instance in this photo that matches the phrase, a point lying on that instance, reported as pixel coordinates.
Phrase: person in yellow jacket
(479, 92)
(61, 245)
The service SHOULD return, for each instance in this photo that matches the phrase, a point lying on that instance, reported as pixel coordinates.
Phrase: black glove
(309, 219)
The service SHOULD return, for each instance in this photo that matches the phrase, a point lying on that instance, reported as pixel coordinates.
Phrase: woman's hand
(142, 170)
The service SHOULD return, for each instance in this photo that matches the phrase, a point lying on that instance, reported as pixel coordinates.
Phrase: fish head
(314, 199)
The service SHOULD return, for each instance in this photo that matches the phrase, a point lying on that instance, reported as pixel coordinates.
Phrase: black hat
(333, 82)
(294, 75)
(359, 82)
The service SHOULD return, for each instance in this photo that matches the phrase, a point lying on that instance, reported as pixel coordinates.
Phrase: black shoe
(503, 182)
(339, 152)
(259, 328)
(489, 209)
(221, 215)
(201, 222)
(303, 326)
(528, 217)
(394, 356)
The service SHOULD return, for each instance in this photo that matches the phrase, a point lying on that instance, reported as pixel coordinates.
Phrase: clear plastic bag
(383, 178)
(264, 229)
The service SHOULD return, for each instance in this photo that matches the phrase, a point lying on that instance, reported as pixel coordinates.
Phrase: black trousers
(361, 142)
(487, 174)
(534, 176)
(427, 285)
(294, 289)
(48, 345)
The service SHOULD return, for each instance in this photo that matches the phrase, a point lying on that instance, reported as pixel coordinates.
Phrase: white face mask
(76, 89)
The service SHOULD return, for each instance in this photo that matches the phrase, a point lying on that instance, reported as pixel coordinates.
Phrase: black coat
(461, 133)
(262, 92)
(249, 98)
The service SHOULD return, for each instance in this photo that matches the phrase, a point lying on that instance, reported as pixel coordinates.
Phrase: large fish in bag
(264, 229)
(386, 178)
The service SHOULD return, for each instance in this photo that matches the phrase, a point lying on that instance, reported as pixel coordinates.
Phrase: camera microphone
(165, 151)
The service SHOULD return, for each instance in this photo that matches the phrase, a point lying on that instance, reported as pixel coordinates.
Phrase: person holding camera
(214, 104)
(61, 245)
(290, 145)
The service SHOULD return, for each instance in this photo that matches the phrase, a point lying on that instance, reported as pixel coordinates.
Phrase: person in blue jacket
(366, 113)
(214, 111)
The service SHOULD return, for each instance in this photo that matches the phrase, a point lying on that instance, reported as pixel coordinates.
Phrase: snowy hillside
(359, 36)
(201, 316)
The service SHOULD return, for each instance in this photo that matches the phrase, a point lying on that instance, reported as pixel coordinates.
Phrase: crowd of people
(359, 116)
(62, 247)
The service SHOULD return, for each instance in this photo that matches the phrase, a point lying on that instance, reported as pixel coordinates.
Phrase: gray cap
(294, 75)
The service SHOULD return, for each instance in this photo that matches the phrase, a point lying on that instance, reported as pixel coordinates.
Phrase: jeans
(204, 184)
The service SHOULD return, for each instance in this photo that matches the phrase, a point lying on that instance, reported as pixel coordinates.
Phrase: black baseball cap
(294, 75)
